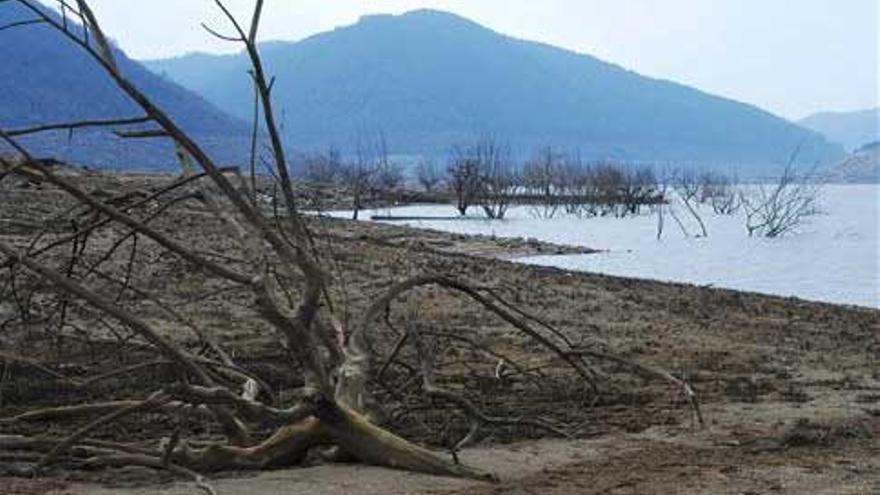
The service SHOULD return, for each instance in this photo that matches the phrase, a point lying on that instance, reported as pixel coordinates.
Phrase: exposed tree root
(333, 425)
(288, 446)
(374, 445)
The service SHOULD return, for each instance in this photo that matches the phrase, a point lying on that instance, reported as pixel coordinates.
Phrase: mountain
(851, 129)
(861, 166)
(45, 79)
(429, 80)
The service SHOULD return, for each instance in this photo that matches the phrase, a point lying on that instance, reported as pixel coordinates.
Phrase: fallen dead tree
(270, 259)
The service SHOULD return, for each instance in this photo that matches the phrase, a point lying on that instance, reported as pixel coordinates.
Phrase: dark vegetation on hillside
(44, 80)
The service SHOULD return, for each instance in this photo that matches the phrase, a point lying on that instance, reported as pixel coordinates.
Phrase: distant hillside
(851, 129)
(45, 79)
(429, 80)
(862, 166)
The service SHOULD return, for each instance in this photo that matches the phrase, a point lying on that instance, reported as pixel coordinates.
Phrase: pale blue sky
(792, 57)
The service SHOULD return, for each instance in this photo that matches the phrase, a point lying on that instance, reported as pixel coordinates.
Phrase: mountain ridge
(853, 129)
(429, 80)
(48, 80)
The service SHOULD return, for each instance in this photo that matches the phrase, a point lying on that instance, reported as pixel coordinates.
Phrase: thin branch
(77, 125)
(115, 214)
(649, 372)
(91, 24)
(8, 356)
(251, 408)
(21, 23)
(143, 134)
(264, 89)
(61, 412)
(477, 416)
(86, 230)
(357, 342)
(154, 400)
(223, 37)
(136, 324)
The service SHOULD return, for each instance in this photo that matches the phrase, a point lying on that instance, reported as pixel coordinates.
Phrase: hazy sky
(792, 57)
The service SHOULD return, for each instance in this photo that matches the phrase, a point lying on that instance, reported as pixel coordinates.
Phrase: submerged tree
(463, 178)
(484, 173)
(429, 175)
(541, 177)
(686, 182)
(776, 209)
(719, 192)
(322, 168)
(279, 265)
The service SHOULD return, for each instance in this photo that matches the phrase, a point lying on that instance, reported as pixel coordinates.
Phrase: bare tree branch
(76, 125)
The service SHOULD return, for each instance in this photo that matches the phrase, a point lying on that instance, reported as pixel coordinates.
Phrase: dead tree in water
(322, 168)
(498, 179)
(639, 188)
(776, 209)
(463, 178)
(278, 264)
(483, 174)
(541, 178)
(356, 177)
(718, 191)
(687, 184)
(429, 175)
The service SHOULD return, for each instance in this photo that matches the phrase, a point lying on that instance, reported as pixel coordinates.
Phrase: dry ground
(791, 389)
